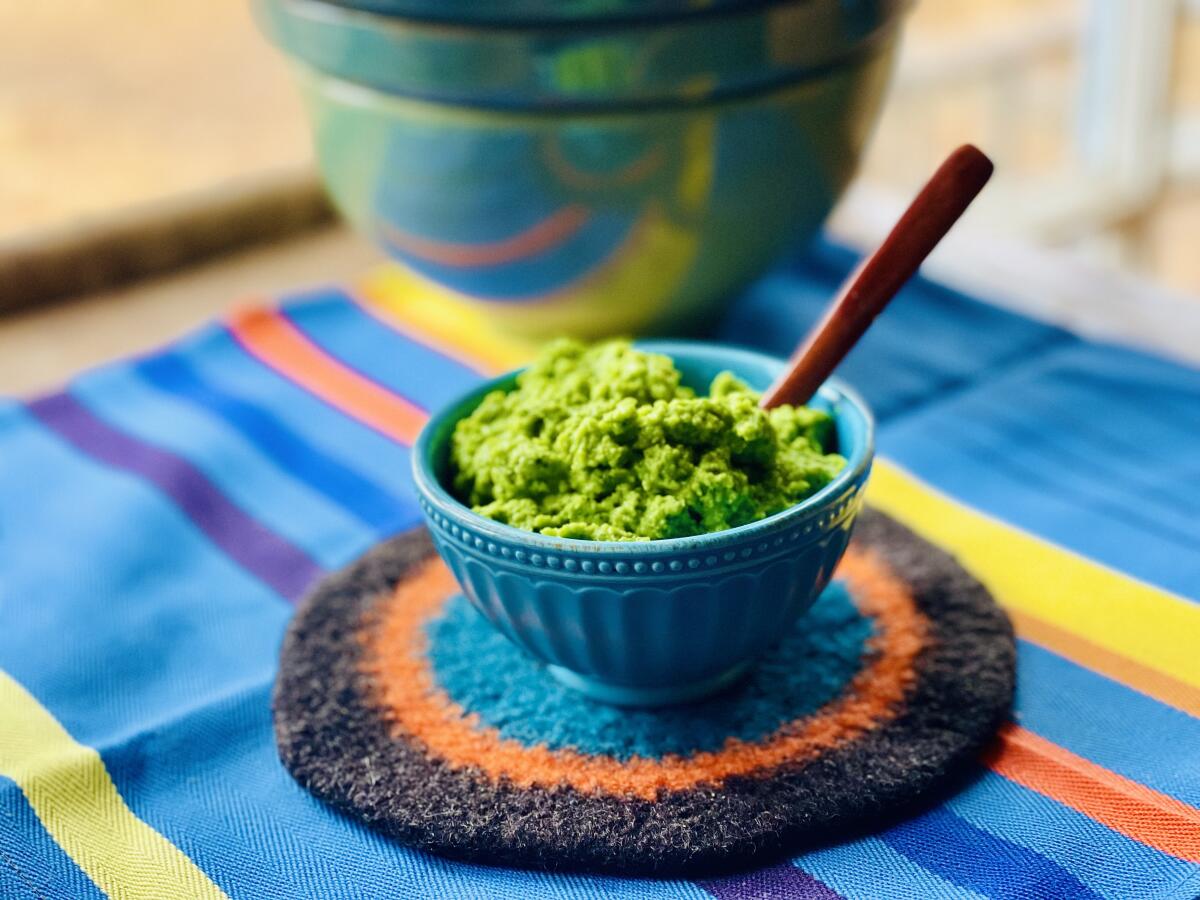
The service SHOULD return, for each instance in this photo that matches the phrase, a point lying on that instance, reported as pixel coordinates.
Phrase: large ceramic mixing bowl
(590, 211)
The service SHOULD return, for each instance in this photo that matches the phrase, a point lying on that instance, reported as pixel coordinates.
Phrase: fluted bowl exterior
(651, 621)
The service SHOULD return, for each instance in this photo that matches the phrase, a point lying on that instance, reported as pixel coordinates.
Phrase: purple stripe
(766, 884)
(277, 562)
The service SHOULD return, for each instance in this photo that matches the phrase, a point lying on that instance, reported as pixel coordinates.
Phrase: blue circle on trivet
(485, 674)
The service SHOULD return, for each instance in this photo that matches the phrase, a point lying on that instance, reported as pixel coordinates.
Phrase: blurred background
(1091, 110)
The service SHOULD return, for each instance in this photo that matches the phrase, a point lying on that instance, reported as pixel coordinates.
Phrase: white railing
(1127, 142)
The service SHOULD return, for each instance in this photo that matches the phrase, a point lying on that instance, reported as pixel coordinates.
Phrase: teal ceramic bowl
(648, 623)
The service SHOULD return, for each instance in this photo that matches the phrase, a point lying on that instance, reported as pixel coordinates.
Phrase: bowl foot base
(627, 695)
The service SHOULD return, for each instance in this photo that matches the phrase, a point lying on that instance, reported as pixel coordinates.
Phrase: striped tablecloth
(160, 516)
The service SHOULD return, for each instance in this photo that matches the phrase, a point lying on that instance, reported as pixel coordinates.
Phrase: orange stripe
(280, 345)
(552, 230)
(1151, 682)
(1136, 811)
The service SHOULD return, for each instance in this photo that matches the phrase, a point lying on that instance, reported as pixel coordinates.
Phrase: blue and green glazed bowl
(647, 623)
(590, 180)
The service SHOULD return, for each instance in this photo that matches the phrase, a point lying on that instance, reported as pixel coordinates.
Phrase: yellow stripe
(1112, 610)
(72, 794)
(443, 320)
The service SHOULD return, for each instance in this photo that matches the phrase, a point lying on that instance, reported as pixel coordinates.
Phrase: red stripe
(1136, 811)
(636, 171)
(550, 231)
(277, 342)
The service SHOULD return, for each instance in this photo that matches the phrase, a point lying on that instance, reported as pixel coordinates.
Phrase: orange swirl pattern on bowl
(407, 693)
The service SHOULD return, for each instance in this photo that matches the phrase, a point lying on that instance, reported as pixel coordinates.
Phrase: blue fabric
(256, 483)
(1090, 715)
(948, 845)
(331, 321)
(222, 362)
(376, 508)
(126, 671)
(928, 343)
(1110, 864)
(1090, 446)
(869, 867)
(151, 644)
(31, 864)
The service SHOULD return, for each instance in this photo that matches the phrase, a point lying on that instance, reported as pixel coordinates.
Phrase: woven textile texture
(160, 516)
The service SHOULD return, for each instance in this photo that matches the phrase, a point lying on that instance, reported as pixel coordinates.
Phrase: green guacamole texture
(603, 443)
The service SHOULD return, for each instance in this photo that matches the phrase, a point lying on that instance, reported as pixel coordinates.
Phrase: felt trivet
(397, 703)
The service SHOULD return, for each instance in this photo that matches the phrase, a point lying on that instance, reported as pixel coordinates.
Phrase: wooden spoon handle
(870, 288)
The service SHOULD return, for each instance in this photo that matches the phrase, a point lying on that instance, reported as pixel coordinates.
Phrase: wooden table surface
(42, 347)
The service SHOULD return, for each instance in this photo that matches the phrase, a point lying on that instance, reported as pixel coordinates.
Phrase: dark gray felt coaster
(340, 742)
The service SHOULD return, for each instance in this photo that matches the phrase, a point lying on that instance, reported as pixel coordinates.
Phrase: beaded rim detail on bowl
(570, 563)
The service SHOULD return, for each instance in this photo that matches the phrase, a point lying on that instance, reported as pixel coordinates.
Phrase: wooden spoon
(872, 286)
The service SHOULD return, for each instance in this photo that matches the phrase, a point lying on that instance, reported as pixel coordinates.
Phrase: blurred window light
(1092, 110)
